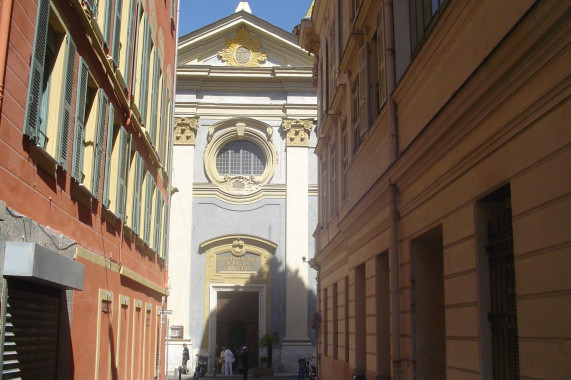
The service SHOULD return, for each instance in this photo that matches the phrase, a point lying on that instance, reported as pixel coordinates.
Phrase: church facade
(244, 193)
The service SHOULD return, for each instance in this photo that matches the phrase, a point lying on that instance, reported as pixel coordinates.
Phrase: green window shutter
(165, 230)
(92, 6)
(138, 30)
(145, 58)
(129, 48)
(117, 32)
(148, 208)
(158, 215)
(162, 125)
(108, 152)
(138, 182)
(79, 131)
(107, 23)
(66, 121)
(155, 97)
(37, 71)
(99, 143)
(124, 153)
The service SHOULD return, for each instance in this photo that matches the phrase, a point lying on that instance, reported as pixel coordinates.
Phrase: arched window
(240, 157)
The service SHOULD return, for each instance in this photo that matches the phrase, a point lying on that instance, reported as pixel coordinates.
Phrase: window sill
(81, 194)
(43, 159)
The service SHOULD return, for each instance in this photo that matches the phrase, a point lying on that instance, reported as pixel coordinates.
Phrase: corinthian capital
(297, 131)
(185, 130)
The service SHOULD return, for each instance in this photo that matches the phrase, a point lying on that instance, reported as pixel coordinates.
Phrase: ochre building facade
(444, 236)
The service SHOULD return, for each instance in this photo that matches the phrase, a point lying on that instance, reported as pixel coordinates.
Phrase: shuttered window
(158, 217)
(129, 44)
(79, 130)
(117, 32)
(99, 142)
(154, 97)
(138, 183)
(67, 100)
(37, 84)
(165, 231)
(363, 88)
(92, 6)
(124, 153)
(145, 58)
(107, 25)
(108, 151)
(149, 187)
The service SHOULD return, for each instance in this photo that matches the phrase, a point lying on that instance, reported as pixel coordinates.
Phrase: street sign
(165, 312)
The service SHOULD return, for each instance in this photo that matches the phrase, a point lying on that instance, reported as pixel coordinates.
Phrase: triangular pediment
(242, 39)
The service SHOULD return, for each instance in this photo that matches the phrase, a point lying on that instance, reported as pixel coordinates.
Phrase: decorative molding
(242, 50)
(185, 130)
(297, 131)
(239, 185)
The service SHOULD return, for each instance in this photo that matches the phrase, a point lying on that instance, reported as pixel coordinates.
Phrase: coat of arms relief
(242, 50)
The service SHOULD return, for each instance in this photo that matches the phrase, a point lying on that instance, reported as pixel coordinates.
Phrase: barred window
(240, 157)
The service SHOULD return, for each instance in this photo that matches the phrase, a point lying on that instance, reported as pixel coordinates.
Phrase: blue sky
(195, 14)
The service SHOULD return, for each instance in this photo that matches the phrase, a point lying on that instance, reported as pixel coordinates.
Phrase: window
(364, 88)
(345, 159)
(240, 157)
(323, 191)
(382, 80)
(116, 165)
(422, 14)
(333, 177)
(48, 111)
(355, 115)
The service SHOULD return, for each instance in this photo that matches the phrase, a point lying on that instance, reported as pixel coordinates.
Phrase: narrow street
(209, 376)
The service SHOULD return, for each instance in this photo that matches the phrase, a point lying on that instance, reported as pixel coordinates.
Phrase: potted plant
(265, 368)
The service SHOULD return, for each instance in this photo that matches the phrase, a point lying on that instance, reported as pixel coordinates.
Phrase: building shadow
(244, 313)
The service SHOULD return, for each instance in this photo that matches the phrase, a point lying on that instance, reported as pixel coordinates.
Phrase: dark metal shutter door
(31, 331)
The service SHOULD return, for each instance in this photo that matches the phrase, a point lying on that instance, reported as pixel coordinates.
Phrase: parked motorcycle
(201, 365)
(310, 369)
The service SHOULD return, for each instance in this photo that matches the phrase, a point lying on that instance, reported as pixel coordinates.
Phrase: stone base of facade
(291, 352)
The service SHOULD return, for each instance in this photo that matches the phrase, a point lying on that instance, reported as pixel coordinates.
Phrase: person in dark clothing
(244, 359)
(185, 357)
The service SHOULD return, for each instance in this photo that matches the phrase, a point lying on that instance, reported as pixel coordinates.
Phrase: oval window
(240, 157)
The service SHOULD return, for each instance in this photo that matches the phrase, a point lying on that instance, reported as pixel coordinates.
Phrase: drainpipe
(394, 262)
(5, 18)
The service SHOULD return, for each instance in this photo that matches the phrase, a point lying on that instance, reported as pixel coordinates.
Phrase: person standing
(228, 360)
(301, 368)
(244, 361)
(185, 357)
(222, 360)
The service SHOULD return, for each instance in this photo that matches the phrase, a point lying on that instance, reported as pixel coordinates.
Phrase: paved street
(209, 376)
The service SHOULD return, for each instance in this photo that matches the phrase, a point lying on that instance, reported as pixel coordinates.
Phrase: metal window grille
(503, 314)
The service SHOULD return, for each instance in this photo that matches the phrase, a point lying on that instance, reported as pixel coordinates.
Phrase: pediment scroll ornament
(297, 131)
(242, 50)
(185, 130)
